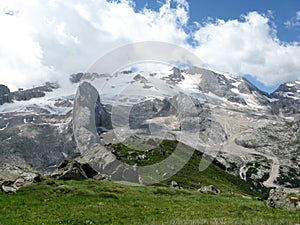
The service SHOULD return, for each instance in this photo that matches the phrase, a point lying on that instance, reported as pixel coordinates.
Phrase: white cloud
(41, 42)
(50, 41)
(294, 22)
(249, 46)
(21, 56)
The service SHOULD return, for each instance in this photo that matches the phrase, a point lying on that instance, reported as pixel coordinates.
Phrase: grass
(105, 202)
(189, 177)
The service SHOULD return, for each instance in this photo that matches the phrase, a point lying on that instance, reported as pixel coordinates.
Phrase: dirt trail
(231, 147)
(235, 129)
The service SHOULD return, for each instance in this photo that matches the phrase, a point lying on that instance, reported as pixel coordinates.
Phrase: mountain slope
(248, 125)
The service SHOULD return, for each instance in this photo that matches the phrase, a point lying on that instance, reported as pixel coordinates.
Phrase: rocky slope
(285, 100)
(253, 134)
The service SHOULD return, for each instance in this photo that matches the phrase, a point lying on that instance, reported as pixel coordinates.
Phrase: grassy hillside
(105, 202)
(189, 177)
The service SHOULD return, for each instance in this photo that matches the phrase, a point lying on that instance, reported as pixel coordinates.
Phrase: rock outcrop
(281, 198)
(209, 189)
(261, 146)
(74, 170)
(13, 178)
(176, 76)
(40, 139)
(4, 94)
(286, 99)
(88, 141)
(37, 92)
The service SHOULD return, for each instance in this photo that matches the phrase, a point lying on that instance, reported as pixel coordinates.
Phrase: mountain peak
(289, 90)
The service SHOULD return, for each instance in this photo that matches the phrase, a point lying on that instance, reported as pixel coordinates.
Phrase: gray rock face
(42, 140)
(252, 140)
(88, 142)
(84, 116)
(288, 99)
(237, 99)
(37, 92)
(182, 113)
(102, 117)
(5, 96)
(210, 189)
(222, 86)
(288, 90)
(77, 77)
(148, 110)
(280, 140)
(176, 76)
(140, 78)
(280, 198)
(287, 107)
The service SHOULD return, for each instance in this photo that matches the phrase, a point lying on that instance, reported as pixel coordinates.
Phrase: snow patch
(213, 96)
(26, 106)
(1, 129)
(65, 155)
(272, 99)
(227, 75)
(289, 95)
(248, 98)
(188, 83)
(236, 84)
(8, 139)
(290, 84)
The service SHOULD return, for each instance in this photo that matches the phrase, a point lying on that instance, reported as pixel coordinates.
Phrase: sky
(49, 40)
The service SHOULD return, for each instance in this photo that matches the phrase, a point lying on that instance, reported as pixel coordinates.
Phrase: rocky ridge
(263, 148)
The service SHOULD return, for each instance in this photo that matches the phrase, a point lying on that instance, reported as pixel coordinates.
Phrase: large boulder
(13, 178)
(74, 170)
(26, 179)
(5, 95)
(281, 198)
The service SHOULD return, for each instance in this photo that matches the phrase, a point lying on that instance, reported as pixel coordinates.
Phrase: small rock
(174, 184)
(209, 189)
(19, 183)
(7, 189)
(165, 175)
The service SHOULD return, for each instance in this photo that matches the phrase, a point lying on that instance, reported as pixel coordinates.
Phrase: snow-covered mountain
(248, 125)
(127, 86)
(285, 100)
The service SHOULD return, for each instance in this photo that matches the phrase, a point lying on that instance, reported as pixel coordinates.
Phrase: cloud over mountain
(48, 41)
